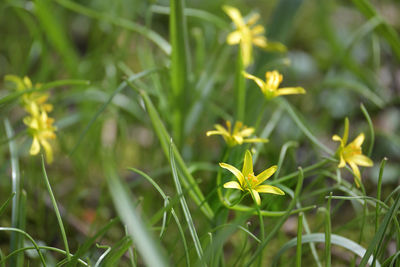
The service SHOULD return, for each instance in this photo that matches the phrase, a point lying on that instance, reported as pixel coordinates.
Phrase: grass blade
(148, 248)
(328, 234)
(185, 208)
(187, 180)
(5, 204)
(371, 129)
(15, 240)
(320, 238)
(299, 235)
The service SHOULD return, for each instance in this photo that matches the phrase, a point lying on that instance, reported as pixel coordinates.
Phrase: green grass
(135, 86)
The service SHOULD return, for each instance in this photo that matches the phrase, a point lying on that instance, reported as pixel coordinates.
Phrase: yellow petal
(49, 151)
(235, 15)
(234, 38)
(269, 189)
(234, 171)
(291, 91)
(257, 80)
(248, 164)
(342, 162)
(255, 140)
(221, 129)
(357, 174)
(246, 132)
(273, 79)
(35, 147)
(27, 82)
(336, 138)
(275, 46)
(15, 79)
(255, 196)
(362, 160)
(213, 133)
(258, 29)
(359, 140)
(253, 19)
(260, 41)
(238, 139)
(233, 185)
(266, 174)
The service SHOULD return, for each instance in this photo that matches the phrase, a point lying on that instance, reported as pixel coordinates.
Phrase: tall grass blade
(185, 208)
(328, 234)
(147, 247)
(299, 237)
(5, 204)
(15, 240)
(179, 71)
(187, 179)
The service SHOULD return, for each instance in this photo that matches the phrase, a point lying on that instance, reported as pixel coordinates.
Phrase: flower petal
(235, 15)
(221, 129)
(255, 140)
(266, 174)
(234, 171)
(48, 150)
(358, 140)
(256, 196)
(269, 189)
(258, 29)
(362, 160)
(234, 38)
(35, 147)
(357, 174)
(257, 80)
(248, 164)
(260, 41)
(233, 185)
(337, 138)
(291, 91)
(342, 162)
(246, 132)
(253, 19)
(213, 133)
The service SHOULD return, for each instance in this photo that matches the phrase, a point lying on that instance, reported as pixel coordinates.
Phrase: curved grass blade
(303, 128)
(320, 238)
(185, 208)
(5, 204)
(180, 229)
(121, 22)
(148, 248)
(12, 229)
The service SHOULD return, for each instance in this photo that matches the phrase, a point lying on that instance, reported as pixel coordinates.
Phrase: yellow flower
(352, 153)
(246, 35)
(270, 87)
(40, 124)
(248, 181)
(238, 136)
(41, 128)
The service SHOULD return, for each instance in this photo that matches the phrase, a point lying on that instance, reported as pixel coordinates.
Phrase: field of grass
(199, 133)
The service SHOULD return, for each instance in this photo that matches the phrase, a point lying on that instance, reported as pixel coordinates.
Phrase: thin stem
(53, 200)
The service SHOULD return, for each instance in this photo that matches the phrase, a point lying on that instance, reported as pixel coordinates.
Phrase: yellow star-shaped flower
(352, 153)
(270, 88)
(247, 36)
(247, 181)
(238, 136)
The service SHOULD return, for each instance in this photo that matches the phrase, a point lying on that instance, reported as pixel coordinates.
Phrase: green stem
(240, 88)
(299, 236)
(53, 200)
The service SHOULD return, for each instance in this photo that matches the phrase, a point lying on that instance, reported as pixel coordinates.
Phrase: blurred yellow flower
(270, 87)
(41, 128)
(248, 181)
(238, 136)
(40, 124)
(247, 36)
(352, 153)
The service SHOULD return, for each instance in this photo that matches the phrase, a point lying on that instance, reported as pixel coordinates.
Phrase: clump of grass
(135, 91)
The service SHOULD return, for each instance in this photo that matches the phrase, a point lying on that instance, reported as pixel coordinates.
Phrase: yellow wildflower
(248, 181)
(270, 87)
(238, 136)
(246, 35)
(352, 153)
(41, 128)
(40, 124)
